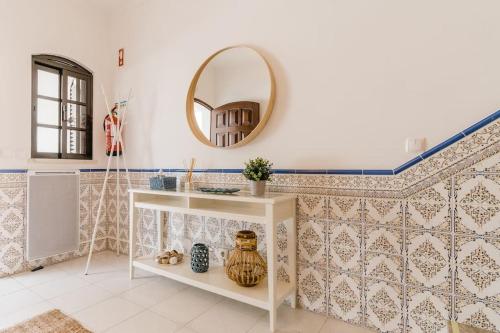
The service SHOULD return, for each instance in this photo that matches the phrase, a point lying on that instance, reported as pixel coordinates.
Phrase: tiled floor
(107, 301)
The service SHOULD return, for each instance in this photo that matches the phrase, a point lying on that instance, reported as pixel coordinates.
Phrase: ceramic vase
(199, 258)
(257, 187)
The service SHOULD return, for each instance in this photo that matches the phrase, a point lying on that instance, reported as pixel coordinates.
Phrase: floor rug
(53, 321)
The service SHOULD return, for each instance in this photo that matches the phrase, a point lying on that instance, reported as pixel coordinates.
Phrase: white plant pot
(257, 188)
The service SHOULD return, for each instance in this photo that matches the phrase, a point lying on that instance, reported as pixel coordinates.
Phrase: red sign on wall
(121, 57)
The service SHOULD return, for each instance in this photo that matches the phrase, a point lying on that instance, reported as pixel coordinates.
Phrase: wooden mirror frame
(192, 89)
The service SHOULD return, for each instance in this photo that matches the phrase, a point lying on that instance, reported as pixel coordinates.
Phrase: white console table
(269, 210)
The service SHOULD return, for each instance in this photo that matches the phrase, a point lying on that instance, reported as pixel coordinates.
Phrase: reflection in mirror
(232, 96)
(202, 113)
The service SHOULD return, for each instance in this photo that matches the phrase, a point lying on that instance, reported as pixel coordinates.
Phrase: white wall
(243, 83)
(76, 29)
(354, 78)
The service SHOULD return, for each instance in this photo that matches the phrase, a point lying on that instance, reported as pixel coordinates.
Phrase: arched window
(61, 119)
(202, 113)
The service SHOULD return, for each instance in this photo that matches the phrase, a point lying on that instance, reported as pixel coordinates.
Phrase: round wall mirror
(231, 97)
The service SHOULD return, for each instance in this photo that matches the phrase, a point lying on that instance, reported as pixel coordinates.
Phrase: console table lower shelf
(216, 281)
(268, 211)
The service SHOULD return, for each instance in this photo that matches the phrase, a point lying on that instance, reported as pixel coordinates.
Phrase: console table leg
(292, 252)
(272, 277)
(272, 320)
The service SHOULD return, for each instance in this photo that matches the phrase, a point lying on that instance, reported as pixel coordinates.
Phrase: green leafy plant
(258, 169)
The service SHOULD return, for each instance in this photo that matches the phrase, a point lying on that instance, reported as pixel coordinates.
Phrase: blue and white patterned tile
(312, 288)
(11, 180)
(383, 211)
(477, 313)
(345, 209)
(427, 312)
(311, 245)
(213, 232)
(478, 268)
(85, 225)
(312, 206)
(148, 232)
(11, 256)
(229, 230)
(430, 208)
(384, 306)
(261, 236)
(381, 239)
(195, 230)
(283, 273)
(95, 197)
(345, 297)
(384, 267)
(12, 208)
(490, 164)
(428, 258)
(477, 209)
(344, 241)
(176, 232)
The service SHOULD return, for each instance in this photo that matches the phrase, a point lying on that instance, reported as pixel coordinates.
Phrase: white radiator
(53, 213)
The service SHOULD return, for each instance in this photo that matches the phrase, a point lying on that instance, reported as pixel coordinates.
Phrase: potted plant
(258, 171)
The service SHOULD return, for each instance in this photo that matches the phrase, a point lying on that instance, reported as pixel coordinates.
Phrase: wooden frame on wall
(191, 97)
(63, 68)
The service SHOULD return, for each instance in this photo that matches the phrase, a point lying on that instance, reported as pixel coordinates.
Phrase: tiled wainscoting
(396, 253)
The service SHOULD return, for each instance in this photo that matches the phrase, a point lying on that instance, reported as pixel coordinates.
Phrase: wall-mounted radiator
(53, 213)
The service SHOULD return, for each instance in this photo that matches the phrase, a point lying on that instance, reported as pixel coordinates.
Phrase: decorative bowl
(219, 190)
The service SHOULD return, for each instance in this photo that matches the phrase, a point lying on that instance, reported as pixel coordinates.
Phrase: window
(202, 114)
(61, 119)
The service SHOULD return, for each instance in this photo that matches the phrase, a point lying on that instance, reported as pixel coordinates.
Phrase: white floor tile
(186, 305)
(337, 326)
(106, 314)
(80, 298)
(24, 313)
(121, 282)
(9, 285)
(75, 266)
(186, 330)
(110, 259)
(99, 275)
(49, 273)
(107, 299)
(101, 265)
(145, 322)
(291, 321)
(17, 300)
(150, 294)
(140, 274)
(227, 316)
(58, 287)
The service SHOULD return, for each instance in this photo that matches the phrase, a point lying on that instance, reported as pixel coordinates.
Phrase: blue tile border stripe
(13, 170)
(344, 172)
(378, 172)
(372, 172)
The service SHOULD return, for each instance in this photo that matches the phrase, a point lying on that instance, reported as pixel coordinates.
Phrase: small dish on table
(219, 190)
